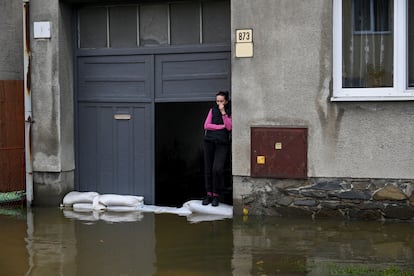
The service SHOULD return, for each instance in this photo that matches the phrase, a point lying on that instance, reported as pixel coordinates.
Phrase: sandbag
(195, 206)
(82, 207)
(121, 200)
(78, 197)
(183, 211)
(96, 205)
(121, 209)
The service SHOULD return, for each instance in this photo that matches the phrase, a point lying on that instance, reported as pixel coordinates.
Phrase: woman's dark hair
(225, 94)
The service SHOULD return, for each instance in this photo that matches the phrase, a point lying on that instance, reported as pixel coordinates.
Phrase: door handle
(122, 116)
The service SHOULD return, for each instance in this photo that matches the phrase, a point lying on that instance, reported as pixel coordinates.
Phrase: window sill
(371, 98)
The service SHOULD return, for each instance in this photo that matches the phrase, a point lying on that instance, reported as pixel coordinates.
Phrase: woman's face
(221, 100)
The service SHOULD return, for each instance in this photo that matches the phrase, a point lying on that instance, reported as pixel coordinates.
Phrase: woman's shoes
(207, 200)
(214, 200)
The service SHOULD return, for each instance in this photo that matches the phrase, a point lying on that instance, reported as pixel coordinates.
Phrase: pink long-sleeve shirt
(208, 125)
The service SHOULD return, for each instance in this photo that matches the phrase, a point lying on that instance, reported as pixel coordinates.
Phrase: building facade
(321, 100)
(310, 61)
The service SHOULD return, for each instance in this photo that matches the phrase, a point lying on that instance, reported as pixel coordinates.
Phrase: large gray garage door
(118, 86)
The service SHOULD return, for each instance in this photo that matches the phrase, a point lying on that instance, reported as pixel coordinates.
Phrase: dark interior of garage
(179, 165)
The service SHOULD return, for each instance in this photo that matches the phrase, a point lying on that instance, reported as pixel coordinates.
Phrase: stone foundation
(366, 199)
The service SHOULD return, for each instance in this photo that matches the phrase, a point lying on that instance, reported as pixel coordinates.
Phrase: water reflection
(311, 247)
(44, 241)
(13, 254)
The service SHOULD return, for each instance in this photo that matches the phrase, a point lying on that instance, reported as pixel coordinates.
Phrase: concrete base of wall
(367, 199)
(49, 188)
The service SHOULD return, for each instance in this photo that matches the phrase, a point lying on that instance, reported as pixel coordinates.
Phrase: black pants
(215, 156)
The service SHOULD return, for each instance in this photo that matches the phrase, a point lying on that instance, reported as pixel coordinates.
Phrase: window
(216, 22)
(185, 16)
(373, 50)
(92, 24)
(122, 27)
(155, 24)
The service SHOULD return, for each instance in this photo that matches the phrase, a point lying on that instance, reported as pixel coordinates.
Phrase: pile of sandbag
(88, 201)
(92, 206)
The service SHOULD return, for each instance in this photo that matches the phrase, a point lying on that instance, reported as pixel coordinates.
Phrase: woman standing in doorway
(217, 145)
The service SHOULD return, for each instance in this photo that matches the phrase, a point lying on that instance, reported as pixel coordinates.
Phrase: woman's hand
(221, 108)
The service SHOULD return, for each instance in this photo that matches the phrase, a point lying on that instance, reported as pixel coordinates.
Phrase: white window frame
(400, 90)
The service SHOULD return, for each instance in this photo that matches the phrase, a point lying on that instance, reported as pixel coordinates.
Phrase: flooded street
(49, 241)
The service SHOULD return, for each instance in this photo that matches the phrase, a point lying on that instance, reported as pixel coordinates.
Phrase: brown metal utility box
(278, 152)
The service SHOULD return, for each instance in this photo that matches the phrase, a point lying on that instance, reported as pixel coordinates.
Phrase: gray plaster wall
(288, 82)
(52, 103)
(66, 59)
(11, 40)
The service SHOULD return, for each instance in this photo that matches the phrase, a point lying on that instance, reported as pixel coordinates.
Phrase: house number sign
(244, 35)
(244, 43)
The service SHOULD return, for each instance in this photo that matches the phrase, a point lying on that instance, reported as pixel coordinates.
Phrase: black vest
(219, 136)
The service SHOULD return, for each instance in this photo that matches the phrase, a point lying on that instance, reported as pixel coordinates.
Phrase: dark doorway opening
(179, 156)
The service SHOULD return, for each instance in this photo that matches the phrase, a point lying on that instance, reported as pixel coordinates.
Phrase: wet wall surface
(43, 241)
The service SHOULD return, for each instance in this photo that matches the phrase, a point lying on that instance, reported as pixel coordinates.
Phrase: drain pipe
(27, 103)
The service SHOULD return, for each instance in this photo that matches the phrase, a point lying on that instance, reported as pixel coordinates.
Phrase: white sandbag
(196, 218)
(121, 209)
(96, 205)
(84, 216)
(148, 208)
(83, 207)
(78, 197)
(183, 211)
(195, 206)
(121, 217)
(121, 200)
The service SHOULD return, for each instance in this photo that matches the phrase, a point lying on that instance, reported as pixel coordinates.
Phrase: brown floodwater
(51, 241)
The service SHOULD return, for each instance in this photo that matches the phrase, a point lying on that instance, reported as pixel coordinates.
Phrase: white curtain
(367, 43)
